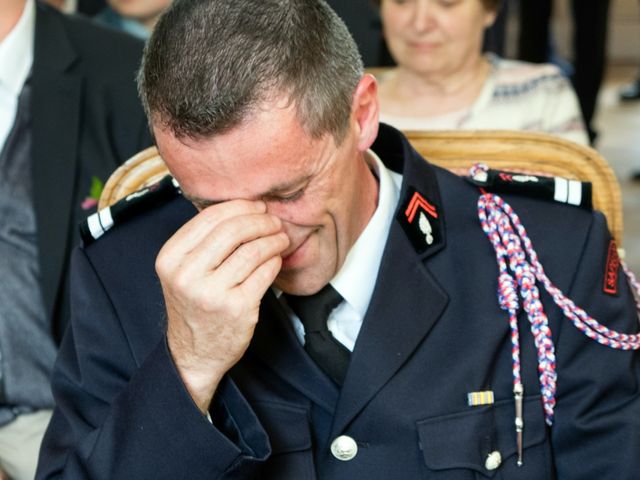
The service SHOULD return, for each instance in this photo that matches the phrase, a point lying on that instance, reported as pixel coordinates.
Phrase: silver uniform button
(493, 461)
(344, 448)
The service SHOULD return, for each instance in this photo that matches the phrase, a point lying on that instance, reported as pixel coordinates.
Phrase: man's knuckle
(182, 281)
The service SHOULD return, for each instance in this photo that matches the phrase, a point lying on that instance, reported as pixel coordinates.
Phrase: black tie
(331, 356)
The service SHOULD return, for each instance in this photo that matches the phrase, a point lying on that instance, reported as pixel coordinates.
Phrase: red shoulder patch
(611, 270)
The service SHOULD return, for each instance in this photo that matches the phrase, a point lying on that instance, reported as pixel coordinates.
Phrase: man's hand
(214, 272)
(3, 475)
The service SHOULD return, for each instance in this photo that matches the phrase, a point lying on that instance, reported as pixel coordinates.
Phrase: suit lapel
(275, 344)
(56, 115)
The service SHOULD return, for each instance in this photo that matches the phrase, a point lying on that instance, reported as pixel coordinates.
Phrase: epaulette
(555, 189)
(128, 207)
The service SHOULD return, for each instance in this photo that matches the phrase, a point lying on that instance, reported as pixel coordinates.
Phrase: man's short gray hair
(210, 63)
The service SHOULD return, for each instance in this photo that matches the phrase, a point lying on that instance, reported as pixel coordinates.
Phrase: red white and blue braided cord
(519, 268)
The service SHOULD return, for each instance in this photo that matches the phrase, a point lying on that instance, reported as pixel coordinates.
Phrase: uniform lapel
(407, 300)
(406, 304)
(55, 108)
(276, 345)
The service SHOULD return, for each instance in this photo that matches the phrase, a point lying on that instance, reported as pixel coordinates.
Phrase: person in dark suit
(70, 116)
(90, 7)
(320, 302)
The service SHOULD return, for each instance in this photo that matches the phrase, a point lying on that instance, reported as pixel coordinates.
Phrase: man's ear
(365, 111)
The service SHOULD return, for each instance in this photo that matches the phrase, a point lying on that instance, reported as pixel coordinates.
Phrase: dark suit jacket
(87, 120)
(433, 333)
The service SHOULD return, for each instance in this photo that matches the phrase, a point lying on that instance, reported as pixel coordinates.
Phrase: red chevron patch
(418, 201)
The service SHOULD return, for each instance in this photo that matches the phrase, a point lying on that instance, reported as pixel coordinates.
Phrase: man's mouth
(292, 256)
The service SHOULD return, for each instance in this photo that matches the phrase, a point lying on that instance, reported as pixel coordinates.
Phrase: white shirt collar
(16, 51)
(357, 277)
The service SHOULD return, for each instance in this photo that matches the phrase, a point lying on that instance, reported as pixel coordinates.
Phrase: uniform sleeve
(596, 433)
(116, 419)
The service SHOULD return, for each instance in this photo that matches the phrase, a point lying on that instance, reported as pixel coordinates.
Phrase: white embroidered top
(516, 96)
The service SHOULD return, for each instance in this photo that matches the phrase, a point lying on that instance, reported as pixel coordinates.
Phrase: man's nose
(286, 215)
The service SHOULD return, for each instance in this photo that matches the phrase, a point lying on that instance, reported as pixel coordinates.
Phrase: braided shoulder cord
(519, 268)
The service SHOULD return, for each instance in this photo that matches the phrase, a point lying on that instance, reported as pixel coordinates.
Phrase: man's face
(324, 194)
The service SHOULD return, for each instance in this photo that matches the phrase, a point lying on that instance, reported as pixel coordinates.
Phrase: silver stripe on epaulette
(561, 190)
(575, 192)
(106, 220)
(567, 191)
(95, 228)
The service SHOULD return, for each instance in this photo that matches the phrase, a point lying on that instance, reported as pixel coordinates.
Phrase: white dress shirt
(16, 57)
(356, 279)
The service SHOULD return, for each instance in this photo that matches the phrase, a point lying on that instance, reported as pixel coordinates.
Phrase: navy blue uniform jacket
(433, 333)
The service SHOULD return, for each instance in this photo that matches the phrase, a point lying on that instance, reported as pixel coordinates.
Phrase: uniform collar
(16, 51)
(419, 211)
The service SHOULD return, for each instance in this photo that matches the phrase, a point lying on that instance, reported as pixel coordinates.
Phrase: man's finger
(200, 226)
(206, 243)
(214, 249)
(249, 256)
(257, 283)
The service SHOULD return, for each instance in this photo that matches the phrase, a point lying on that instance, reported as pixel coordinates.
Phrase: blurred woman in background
(443, 81)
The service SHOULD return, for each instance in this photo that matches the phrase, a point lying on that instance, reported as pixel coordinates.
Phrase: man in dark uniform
(238, 359)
